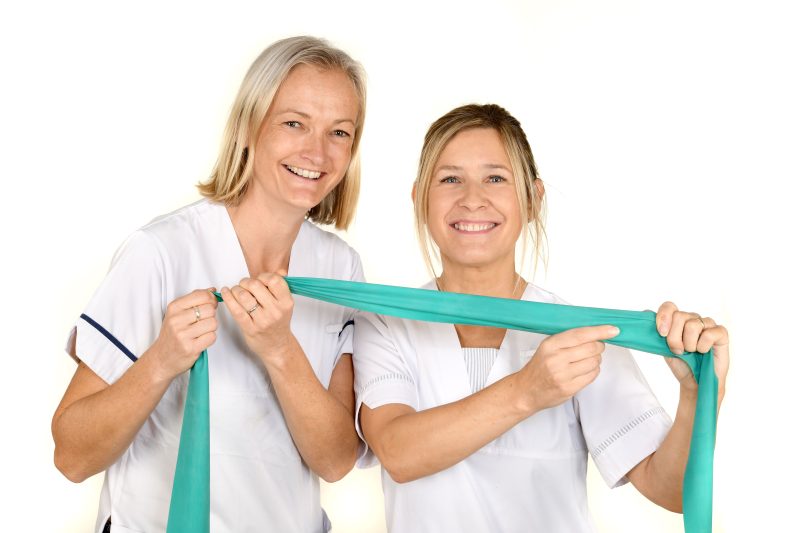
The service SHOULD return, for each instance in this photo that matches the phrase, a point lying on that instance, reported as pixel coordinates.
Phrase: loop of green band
(189, 507)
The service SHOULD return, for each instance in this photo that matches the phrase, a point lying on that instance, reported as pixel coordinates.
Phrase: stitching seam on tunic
(600, 448)
(392, 376)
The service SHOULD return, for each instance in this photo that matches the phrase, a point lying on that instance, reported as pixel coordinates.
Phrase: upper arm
(375, 421)
(341, 384)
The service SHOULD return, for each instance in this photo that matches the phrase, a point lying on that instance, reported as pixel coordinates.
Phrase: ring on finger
(701, 322)
(197, 316)
(252, 309)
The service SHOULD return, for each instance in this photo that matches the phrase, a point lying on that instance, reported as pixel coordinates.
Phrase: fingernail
(613, 331)
(663, 329)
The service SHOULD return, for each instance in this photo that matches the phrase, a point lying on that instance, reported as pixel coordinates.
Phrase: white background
(666, 132)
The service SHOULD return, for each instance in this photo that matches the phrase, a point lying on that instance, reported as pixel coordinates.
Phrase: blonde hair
(519, 154)
(234, 168)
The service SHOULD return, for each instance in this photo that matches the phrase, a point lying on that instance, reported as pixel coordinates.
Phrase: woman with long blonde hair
(281, 388)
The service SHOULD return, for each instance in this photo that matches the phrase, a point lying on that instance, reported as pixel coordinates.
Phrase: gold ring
(701, 321)
(252, 309)
(196, 314)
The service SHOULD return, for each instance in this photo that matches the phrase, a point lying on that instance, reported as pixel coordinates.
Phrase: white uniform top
(533, 477)
(258, 479)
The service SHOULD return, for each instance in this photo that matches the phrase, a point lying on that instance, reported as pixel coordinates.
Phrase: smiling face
(473, 211)
(305, 141)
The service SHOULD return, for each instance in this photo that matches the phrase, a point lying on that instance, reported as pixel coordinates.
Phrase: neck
(499, 280)
(266, 231)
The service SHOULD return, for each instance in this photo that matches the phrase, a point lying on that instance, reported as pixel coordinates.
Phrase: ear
(539, 184)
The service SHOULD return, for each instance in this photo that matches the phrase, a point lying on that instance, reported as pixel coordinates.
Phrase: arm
(320, 420)
(659, 477)
(411, 445)
(96, 422)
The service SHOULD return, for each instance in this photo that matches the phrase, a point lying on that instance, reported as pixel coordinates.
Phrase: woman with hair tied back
(281, 393)
(484, 430)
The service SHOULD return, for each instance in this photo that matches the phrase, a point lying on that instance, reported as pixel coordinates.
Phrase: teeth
(310, 174)
(465, 226)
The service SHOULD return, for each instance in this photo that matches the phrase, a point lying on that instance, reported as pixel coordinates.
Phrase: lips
(304, 172)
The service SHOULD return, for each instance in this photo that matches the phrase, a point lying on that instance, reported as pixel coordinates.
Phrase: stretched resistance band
(190, 504)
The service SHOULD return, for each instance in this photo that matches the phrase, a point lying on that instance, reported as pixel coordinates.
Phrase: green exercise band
(190, 503)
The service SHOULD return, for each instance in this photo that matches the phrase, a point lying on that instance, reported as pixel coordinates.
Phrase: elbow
(334, 473)
(69, 468)
(399, 468)
(336, 470)
(674, 505)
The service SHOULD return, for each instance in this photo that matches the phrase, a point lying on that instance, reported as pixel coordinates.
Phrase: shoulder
(534, 293)
(174, 227)
(325, 254)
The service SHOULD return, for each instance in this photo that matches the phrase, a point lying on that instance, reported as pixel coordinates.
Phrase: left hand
(263, 309)
(689, 332)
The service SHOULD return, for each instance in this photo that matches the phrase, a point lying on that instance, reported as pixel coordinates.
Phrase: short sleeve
(620, 417)
(124, 316)
(382, 376)
(346, 334)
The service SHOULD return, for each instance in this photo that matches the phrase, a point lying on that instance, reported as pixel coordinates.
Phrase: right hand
(564, 364)
(183, 337)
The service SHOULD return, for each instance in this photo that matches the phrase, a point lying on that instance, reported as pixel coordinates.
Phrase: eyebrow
(306, 115)
(488, 166)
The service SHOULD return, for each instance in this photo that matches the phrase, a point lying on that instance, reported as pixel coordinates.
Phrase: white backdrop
(666, 133)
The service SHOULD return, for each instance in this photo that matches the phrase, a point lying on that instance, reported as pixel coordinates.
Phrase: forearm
(422, 443)
(660, 476)
(93, 431)
(321, 426)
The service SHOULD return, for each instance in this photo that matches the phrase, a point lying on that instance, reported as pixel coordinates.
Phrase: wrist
(524, 399)
(153, 369)
(278, 352)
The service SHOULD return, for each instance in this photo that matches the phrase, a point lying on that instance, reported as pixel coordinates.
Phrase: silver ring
(252, 309)
(196, 314)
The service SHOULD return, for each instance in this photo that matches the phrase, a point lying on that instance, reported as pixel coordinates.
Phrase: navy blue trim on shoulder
(110, 337)
(348, 323)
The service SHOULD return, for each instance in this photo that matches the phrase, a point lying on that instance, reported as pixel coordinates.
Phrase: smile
(303, 173)
(473, 227)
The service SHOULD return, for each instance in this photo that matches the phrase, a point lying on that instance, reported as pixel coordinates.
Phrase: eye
(496, 179)
(341, 133)
(293, 123)
(449, 179)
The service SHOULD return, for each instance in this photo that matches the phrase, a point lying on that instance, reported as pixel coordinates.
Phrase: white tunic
(258, 479)
(533, 477)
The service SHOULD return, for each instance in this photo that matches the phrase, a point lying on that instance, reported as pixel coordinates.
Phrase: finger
(235, 308)
(580, 382)
(712, 337)
(245, 298)
(664, 317)
(582, 351)
(675, 334)
(276, 285)
(204, 341)
(190, 316)
(584, 366)
(196, 297)
(202, 327)
(259, 291)
(691, 333)
(577, 336)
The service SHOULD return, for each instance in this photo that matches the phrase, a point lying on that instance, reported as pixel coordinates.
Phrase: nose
(473, 196)
(314, 146)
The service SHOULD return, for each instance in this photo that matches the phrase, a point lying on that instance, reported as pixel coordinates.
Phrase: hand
(689, 332)
(263, 309)
(564, 364)
(188, 328)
